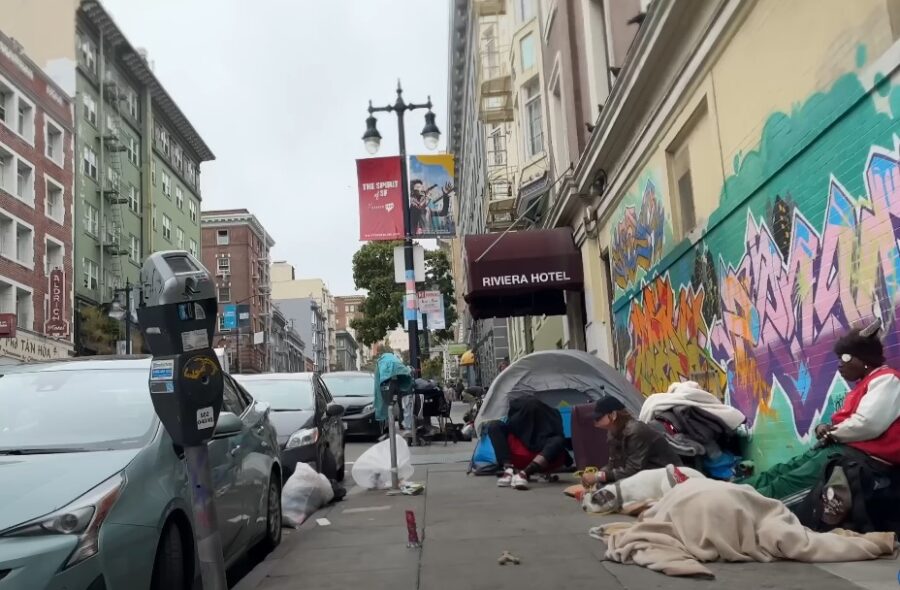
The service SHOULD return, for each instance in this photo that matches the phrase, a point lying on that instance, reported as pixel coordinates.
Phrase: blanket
(704, 520)
(689, 393)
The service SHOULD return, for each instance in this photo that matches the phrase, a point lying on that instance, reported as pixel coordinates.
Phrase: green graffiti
(861, 57)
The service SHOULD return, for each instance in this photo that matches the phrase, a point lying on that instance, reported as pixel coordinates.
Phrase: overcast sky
(278, 89)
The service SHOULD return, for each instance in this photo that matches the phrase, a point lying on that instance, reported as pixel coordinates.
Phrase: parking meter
(177, 317)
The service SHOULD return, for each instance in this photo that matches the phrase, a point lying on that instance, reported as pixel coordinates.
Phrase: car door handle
(235, 450)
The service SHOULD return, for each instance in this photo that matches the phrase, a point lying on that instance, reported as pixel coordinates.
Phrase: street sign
(229, 317)
(243, 314)
(431, 303)
(7, 325)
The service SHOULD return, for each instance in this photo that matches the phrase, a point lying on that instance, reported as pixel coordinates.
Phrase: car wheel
(169, 566)
(273, 515)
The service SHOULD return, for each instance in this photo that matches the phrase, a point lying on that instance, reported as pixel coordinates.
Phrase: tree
(97, 331)
(382, 311)
(433, 368)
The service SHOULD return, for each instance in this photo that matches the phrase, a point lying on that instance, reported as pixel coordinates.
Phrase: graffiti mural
(669, 340)
(638, 238)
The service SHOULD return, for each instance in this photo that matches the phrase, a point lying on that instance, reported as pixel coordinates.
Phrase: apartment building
(288, 351)
(308, 318)
(36, 182)
(287, 287)
(347, 352)
(137, 156)
(346, 309)
(235, 248)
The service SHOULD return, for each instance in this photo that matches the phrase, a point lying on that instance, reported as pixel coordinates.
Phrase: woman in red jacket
(868, 421)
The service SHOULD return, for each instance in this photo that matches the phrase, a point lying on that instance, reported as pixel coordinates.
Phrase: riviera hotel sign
(535, 278)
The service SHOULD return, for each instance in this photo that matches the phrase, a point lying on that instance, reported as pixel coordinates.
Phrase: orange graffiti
(669, 341)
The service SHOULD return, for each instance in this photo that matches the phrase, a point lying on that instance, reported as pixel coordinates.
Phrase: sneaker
(505, 480)
(520, 481)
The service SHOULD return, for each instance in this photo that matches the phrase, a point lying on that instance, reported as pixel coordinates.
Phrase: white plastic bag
(304, 492)
(372, 471)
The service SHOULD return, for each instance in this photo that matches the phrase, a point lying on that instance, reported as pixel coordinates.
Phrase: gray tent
(558, 378)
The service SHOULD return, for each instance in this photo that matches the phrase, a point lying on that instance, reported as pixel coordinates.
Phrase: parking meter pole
(206, 530)
(389, 396)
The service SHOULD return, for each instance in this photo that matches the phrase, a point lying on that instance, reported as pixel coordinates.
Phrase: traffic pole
(206, 520)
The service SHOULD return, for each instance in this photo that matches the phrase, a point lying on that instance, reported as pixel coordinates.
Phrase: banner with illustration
(432, 196)
(380, 199)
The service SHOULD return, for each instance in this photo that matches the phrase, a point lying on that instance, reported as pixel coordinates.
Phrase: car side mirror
(334, 410)
(228, 425)
(263, 408)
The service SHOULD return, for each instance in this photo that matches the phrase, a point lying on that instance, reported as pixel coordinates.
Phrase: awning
(521, 273)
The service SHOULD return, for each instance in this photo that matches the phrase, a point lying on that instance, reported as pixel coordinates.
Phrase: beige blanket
(704, 520)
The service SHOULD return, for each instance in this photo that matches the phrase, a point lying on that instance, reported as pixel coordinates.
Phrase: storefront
(28, 346)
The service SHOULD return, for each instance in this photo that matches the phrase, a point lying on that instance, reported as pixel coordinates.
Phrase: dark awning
(521, 273)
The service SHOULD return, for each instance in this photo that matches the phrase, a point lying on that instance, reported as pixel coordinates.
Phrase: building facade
(346, 309)
(347, 352)
(286, 287)
(235, 248)
(308, 318)
(36, 185)
(287, 349)
(137, 156)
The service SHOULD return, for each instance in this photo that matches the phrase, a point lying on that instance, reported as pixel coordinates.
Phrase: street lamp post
(430, 136)
(118, 313)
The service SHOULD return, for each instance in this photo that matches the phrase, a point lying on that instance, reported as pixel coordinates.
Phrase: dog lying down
(638, 492)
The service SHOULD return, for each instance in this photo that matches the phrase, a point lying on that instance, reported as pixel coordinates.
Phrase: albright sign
(535, 278)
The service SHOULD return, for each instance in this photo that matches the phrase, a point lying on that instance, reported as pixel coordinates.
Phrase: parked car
(93, 492)
(307, 418)
(355, 390)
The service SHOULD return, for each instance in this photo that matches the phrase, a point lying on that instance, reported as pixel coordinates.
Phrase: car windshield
(282, 394)
(75, 410)
(350, 385)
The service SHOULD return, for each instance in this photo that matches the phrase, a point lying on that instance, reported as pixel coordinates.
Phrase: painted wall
(801, 241)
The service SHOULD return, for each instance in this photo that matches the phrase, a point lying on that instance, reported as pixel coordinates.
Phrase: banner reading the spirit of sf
(380, 199)
(432, 196)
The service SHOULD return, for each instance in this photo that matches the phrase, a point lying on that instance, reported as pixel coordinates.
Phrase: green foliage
(373, 270)
(433, 368)
(98, 331)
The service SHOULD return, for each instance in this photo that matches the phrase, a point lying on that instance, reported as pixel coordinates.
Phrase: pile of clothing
(701, 429)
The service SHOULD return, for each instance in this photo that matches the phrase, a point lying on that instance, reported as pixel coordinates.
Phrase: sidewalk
(468, 522)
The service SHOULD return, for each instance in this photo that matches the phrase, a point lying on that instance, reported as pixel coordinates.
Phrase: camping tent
(558, 378)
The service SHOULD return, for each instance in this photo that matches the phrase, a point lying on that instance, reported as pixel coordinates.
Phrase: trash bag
(304, 492)
(372, 471)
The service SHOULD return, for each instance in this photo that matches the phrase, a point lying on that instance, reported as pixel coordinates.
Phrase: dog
(642, 487)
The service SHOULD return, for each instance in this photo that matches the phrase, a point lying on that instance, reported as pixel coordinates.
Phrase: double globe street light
(430, 136)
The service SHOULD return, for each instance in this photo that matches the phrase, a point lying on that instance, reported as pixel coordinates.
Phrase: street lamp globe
(371, 137)
(430, 134)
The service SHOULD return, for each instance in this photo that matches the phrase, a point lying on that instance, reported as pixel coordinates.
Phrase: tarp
(390, 365)
(559, 378)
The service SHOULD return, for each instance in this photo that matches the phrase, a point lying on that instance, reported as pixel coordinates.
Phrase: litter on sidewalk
(323, 522)
(507, 557)
(411, 530)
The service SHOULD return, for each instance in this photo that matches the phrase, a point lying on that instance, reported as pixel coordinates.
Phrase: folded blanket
(704, 520)
(689, 393)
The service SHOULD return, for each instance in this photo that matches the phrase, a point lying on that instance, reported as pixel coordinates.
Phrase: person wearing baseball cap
(633, 445)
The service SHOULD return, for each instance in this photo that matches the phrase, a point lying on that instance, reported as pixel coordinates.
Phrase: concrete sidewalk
(468, 522)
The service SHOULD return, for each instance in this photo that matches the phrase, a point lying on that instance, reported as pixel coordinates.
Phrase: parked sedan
(355, 390)
(94, 493)
(307, 418)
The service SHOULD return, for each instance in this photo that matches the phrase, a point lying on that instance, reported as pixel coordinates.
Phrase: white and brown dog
(642, 487)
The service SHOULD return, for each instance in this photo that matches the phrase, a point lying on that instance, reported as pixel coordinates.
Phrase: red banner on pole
(380, 199)
(56, 324)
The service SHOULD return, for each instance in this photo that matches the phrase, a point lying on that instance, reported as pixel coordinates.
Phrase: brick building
(235, 248)
(36, 183)
(346, 309)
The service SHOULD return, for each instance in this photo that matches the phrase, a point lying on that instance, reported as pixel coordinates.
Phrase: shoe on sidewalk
(506, 478)
(520, 481)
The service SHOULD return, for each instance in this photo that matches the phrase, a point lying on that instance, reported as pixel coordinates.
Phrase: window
(193, 247)
(53, 257)
(525, 10)
(25, 120)
(153, 217)
(179, 238)
(167, 228)
(166, 184)
(134, 199)
(153, 171)
(559, 136)
(527, 49)
(53, 140)
(89, 108)
(179, 197)
(176, 156)
(16, 240)
(534, 133)
(222, 237)
(112, 179)
(133, 149)
(88, 54)
(91, 219)
(223, 264)
(25, 181)
(684, 189)
(134, 249)
(90, 273)
(164, 141)
(53, 204)
(7, 166)
(192, 207)
(7, 98)
(131, 103)
(89, 162)
(224, 294)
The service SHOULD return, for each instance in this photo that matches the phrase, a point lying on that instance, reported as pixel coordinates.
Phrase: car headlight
(303, 437)
(83, 517)
(369, 408)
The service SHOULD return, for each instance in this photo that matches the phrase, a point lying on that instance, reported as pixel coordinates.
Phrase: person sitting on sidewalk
(868, 422)
(531, 441)
(633, 445)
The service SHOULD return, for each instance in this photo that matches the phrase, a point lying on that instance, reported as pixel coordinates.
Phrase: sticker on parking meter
(162, 370)
(205, 418)
(198, 312)
(162, 387)
(194, 340)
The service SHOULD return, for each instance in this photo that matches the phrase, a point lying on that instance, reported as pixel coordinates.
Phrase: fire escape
(111, 189)
(495, 104)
